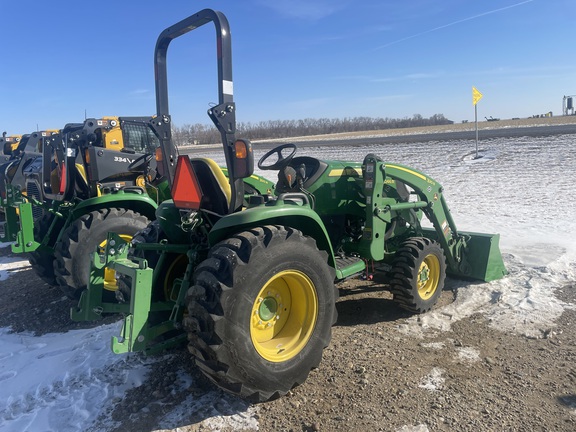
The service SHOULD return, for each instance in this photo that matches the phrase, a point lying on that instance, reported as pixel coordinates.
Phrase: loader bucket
(481, 257)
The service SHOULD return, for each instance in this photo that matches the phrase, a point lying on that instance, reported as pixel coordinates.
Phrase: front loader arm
(381, 209)
(432, 202)
(468, 255)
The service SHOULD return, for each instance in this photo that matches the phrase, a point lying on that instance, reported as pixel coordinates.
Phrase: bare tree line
(189, 134)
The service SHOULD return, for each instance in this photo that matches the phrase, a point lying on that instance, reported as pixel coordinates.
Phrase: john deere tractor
(251, 285)
(62, 191)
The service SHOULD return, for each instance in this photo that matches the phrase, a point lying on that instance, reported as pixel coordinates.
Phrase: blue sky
(292, 59)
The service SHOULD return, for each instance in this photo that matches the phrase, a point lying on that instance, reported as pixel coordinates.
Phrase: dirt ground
(372, 377)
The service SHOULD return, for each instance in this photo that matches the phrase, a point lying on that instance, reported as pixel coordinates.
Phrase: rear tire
(260, 312)
(87, 233)
(418, 274)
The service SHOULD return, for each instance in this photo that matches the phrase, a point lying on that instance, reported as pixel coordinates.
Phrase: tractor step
(348, 266)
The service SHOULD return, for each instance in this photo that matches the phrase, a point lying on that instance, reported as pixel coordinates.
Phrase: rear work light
(158, 154)
(186, 191)
(63, 179)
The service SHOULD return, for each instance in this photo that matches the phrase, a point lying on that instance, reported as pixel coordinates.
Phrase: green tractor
(250, 282)
(63, 191)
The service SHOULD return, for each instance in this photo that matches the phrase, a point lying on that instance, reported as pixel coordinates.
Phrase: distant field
(457, 127)
(492, 129)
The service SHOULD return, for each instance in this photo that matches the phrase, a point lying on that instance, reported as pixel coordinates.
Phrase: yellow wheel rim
(428, 276)
(283, 316)
(110, 282)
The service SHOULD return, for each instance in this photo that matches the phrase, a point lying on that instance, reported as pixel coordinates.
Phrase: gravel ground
(372, 377)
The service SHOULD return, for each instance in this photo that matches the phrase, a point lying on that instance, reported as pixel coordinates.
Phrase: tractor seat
(216, 191)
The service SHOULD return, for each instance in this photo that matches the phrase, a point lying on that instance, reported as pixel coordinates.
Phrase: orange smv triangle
(186, 191)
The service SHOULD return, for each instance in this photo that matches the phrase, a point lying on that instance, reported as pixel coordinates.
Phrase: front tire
(82, 238)
(260, 312)
(418, 274)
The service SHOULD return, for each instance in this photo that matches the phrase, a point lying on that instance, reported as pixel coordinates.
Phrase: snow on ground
(64, 382)
(61, 382)
(9, 265)
(520, 188)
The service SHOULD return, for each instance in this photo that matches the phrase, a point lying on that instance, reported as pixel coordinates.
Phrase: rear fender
(300, 217)
(139, 202)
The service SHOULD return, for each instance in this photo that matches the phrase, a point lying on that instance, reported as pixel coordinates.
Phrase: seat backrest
(216, 191)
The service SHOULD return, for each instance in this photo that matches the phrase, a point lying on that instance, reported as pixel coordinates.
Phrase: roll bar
(223, 115)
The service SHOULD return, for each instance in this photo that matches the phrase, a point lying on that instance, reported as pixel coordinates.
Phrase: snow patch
(417, 428)
(9, 265)
(434, 345)
(468, 354)
(218, 410)
(61, 382)
(434, 381)
(523, 302)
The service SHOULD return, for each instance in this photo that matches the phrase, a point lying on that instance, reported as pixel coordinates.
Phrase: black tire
(72, 252)
(226, 322)
(418, 274)
(42, 261)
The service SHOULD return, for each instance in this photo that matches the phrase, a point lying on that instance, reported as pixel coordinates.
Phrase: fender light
(244, 159)
(186, 191)
(160, 161)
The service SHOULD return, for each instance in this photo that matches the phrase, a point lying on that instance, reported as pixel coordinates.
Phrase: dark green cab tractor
(249, 281)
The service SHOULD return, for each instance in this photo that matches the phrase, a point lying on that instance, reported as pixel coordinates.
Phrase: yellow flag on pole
(476, 95)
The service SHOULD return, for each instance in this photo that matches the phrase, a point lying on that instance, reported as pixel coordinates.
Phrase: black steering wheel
(281, 160)
(140, 163)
